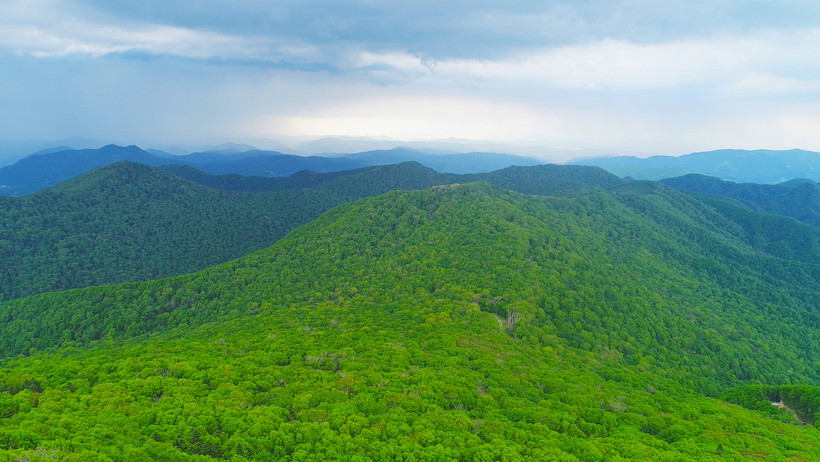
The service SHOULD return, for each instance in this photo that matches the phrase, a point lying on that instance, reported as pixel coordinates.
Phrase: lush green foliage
(371, 181)
(758, 166)
(613, 274)
(801, 402)
(353, 380)
(127, 222)
(461, 322)
(799, 199)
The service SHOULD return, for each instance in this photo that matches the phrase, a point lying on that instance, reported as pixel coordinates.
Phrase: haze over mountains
(53, 165)
(759, 166)
(49, 168)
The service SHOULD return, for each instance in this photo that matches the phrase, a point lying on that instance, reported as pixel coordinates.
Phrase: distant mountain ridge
(127, 221)
(758, 166)
(471, 162)
(48, 168)
(536, 179)
(799, 198)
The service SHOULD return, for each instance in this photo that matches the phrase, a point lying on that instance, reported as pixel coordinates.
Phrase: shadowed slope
(799, 199)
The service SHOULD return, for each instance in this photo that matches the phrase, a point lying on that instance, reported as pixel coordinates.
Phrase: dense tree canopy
(128, 222)
(799, 199)
(455, 323)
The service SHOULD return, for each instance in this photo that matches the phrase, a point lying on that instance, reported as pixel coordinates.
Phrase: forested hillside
(799, 199)
(538, 179)
(128, 222)
(460, 322)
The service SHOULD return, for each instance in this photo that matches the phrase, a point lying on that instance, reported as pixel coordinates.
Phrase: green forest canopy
(129, 222)
(459, 322)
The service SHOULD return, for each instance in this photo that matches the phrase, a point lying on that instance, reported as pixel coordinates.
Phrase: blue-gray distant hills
(759, 166)
(48, 168)
(471, 162)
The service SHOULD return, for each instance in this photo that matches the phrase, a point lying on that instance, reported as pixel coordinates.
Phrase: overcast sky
(648, 76)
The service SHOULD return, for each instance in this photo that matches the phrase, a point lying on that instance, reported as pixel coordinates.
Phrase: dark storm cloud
(461, 28)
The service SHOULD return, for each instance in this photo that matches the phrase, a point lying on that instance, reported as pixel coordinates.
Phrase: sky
(619, 76)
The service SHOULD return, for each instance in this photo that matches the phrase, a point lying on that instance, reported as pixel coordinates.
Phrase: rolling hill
(799, 199)
(459, 322)
(128, 222)
(266, 163)
(370, 181)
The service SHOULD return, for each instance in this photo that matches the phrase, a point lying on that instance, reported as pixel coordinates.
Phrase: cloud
(392, 42)
(768, 63)
(456, 29)
(50, 35)
(628, 74)
(411, 116)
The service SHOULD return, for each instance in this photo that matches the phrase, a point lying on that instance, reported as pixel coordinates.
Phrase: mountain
(266, 163)
(129, 222)
(12, 151)
(235, 182)
(474, 162)
(49, 168)
(799, 199)
(369, 181)
(760, 166)
(229, 148)
(461, 322)
(330, 146)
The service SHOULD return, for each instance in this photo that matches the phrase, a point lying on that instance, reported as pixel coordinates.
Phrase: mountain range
(799, 199)
(759, 166)
(51, 167)
(397, 313)
(129, 222)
